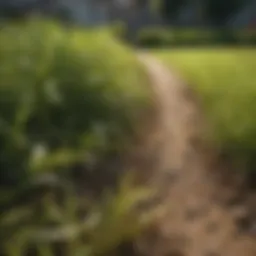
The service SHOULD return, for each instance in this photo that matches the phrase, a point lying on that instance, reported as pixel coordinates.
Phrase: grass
(225, 80)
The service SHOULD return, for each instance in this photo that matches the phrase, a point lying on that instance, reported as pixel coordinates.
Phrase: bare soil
(203, 213)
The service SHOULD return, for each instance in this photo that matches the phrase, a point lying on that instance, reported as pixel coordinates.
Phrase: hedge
(159, 37)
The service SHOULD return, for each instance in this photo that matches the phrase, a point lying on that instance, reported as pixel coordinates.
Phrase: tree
(216, 12)
(219, 11)
(169, 9)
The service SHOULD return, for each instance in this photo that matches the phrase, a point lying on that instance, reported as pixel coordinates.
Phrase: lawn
(225, 80)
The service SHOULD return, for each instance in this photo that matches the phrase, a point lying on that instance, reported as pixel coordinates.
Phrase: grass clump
(225, 80)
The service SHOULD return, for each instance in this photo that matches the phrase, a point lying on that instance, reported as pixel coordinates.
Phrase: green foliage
(156, 6)
(154, 37)
(72, 225)
(194, 36)
(219, 12)
(170, 8)
(64, 94)
(214, 12)
(168, 37)
(119, 30)
(67, 97)
(225, 81)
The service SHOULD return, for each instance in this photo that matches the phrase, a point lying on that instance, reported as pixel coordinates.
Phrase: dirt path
(193, 223)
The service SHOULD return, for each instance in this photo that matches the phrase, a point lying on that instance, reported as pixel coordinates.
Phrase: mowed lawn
(225, 81)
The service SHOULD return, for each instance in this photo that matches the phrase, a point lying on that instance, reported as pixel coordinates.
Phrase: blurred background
(72, 97)
(235, 19)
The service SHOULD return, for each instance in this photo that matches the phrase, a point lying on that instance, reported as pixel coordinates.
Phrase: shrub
(194, 37)
(247, 36)
(67, 96)
(66, 92)
(152, 37)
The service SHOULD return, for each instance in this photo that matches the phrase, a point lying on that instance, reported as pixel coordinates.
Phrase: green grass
(225, 80)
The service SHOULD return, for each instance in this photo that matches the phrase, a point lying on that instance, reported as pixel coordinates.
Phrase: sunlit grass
(225, 80)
